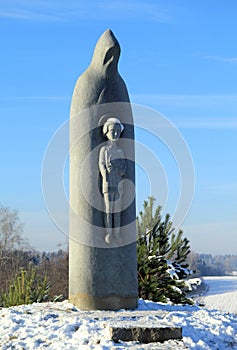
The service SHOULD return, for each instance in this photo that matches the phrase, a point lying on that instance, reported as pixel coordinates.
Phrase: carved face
(114, 132)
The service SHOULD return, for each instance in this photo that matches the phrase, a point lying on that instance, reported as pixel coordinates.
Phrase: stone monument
(102, 242)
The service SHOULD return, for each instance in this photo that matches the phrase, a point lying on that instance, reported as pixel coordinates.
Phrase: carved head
(113, 128)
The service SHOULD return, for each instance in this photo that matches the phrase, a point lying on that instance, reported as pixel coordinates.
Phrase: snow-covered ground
(221, 293)
(62, 326)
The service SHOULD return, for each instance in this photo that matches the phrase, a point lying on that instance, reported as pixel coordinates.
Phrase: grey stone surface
(101, 82)
(145, 334)
(102, 275)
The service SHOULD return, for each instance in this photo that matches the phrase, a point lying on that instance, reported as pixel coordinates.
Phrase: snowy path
(62, 326)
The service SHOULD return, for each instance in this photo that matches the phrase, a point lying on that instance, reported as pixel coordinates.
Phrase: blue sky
(179, 58)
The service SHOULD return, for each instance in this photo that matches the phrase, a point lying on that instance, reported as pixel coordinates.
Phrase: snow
(172, 271)
(62, 326)
(221, 293)
(193, 283)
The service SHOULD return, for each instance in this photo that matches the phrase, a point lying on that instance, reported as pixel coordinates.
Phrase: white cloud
(39, 97)
(184, 99)
(207, 123)
(214, 111)
(134, 9)
(232, 60)
(57, 10)
(27, 15)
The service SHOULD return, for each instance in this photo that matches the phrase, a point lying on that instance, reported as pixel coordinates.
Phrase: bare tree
(11, 230)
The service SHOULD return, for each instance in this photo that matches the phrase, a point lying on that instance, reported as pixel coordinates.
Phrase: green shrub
(26, 288)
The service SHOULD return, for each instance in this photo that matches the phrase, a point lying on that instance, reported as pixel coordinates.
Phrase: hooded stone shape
(101, 82)
(107, 52)
(102, 273)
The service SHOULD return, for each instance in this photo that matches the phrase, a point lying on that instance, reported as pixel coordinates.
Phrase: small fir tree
(159, 279)
(26, 288)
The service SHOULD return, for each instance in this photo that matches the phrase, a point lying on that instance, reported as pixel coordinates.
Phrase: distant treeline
(55, 266)
(212, 265)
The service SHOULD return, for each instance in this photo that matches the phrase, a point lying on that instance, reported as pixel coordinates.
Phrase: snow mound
(62, 326)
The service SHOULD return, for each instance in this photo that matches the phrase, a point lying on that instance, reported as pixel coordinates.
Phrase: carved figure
(112, 167)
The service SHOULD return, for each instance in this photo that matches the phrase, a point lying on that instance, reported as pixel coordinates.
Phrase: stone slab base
(145, 334)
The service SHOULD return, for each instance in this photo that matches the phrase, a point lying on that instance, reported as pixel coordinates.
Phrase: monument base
(88, 302)
(145, 334)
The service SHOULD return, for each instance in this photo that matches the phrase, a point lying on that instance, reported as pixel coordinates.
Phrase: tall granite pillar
(102, 244)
